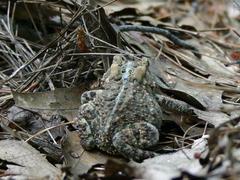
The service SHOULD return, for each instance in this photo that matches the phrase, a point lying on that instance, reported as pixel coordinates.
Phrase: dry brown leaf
(63, 101)
(29, 163)
(82, 41)
(170, 166)
(76, 158)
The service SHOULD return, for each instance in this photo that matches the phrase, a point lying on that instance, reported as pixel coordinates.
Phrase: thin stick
(47, 129)
(79, 11)
(163, 32)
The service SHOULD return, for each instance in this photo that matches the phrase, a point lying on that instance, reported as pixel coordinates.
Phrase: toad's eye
(123, 71)
(118, 60)
(144, 61)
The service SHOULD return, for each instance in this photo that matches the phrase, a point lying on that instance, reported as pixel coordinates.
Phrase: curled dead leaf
(82, 40)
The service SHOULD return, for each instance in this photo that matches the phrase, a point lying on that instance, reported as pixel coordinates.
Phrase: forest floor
(51, 52)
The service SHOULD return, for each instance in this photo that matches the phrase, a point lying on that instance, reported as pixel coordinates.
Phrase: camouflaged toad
(124, 117)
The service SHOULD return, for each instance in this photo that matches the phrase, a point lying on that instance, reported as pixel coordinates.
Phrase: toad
(122, 118)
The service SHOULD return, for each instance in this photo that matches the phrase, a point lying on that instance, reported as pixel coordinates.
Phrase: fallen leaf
(28, 162)
(62, 101)
(76, 158)
(169, 166)
(82, 41)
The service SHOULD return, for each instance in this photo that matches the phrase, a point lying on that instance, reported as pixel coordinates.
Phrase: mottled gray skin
(124, 117)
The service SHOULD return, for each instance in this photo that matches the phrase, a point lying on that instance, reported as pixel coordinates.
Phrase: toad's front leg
(131, 141)
(86, 137)
(87, 111)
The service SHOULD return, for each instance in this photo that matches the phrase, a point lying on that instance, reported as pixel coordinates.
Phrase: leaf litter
(51, 52)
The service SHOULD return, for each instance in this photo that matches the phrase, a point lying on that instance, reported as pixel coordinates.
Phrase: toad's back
(125, 107)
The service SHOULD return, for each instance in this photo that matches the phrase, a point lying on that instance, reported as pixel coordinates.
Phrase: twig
(49, 128)
(237, 33)
(163, 32)
(187, 156)
(76, 15)
(186, 132)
